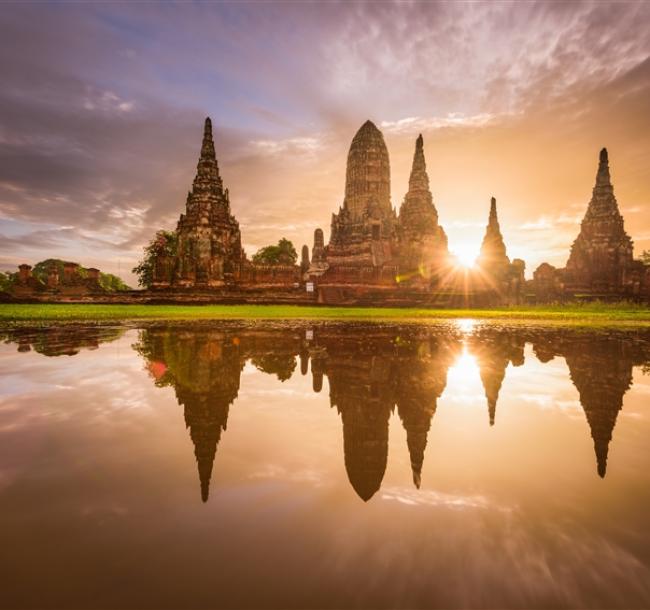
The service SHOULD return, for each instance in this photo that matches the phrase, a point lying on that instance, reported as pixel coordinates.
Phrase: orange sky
(102, 106)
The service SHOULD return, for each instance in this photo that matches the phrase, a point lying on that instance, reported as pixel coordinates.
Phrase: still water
(324, 466)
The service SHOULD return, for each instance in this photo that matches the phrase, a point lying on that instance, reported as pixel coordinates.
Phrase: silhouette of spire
(416, 419)
(602, 373)
(365, 447)
(493, 220)
(603, 177)
(493, 248)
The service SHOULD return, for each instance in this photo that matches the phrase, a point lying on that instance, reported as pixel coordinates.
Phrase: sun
(466, 255)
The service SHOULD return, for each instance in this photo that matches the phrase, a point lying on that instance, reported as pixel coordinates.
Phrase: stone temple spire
(603, 251)
(367, 178)
(423, 243)
(602, 177)
(207, 171)
(419, 181)
(493, 249)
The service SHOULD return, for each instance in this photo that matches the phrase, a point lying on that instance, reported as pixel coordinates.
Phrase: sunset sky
(102, 108)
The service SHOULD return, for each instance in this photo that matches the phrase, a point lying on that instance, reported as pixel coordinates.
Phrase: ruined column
(24, 273)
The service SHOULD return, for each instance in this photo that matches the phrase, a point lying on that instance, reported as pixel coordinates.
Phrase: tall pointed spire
(493, 249)
(207, 170)
(602, 177)
(423, 241)
(419, 181)
(493, 220)
(603, 252)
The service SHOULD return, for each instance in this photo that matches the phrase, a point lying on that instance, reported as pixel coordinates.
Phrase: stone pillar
(24, 273)
(318, 251)
(304, 259)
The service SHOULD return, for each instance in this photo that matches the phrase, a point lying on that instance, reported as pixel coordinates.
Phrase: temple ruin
(601, 263)
(374, 255)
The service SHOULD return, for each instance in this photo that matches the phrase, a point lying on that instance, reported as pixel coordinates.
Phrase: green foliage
(111, 282)
(165, 243)
(6, 280)
(282, 365)
(282, 254)
(645, 257)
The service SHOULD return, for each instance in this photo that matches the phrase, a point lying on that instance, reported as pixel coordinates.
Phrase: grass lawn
(590, 314)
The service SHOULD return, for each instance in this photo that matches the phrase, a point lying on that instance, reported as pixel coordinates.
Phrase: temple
(601, 263)
(207, 254)
(375, 256)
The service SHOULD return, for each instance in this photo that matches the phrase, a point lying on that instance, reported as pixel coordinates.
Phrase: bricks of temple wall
(352, 275)
(24, 273)
(92, 280)
(547, 283)
(277, 276)
(71, 273)
(645, 282)
(53, 277)
(163, 272)
(26, 284)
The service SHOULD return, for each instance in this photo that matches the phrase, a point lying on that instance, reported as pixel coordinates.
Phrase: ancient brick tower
(363, 231)
(493, 258)
(601, 256)
(209, 241)
(422, 241)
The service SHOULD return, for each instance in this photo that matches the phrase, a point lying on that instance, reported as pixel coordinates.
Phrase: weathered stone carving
(363, 231)
(422, 241)
(601, 262)
(209, 247)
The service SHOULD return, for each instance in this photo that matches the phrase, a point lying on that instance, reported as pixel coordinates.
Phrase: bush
(282, 254)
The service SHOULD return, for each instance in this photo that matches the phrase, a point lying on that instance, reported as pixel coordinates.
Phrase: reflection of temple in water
(601, 369)
(493, 353)
(61, 340)
(371, 372)
(204, 368)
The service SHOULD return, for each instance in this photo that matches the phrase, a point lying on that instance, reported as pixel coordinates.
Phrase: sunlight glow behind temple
(466, 255)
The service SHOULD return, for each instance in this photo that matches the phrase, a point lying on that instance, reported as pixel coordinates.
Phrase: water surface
(324, 466)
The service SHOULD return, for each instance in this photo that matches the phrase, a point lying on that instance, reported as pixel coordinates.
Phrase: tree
(645, 257)
(165, 243)
(282, 254)
(6, 280)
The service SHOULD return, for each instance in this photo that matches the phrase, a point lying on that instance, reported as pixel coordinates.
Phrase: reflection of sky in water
(98, 477)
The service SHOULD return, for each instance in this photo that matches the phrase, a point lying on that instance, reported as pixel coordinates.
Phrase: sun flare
(466, 255)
